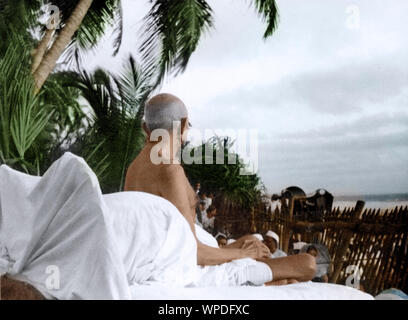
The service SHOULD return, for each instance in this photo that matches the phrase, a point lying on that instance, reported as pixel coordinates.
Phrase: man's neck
(165, 151)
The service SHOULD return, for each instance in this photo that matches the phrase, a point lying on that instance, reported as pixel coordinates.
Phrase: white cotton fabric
(257, 274)
(155, 241)
(238, 272)
(208, 203)
(278, 254)
(116, 246)
(299, 291)
(100, 244)
(208, 223)
(204, 237)
(235, 273)
(56, 227)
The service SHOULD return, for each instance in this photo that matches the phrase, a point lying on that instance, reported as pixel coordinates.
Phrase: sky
(327, 93)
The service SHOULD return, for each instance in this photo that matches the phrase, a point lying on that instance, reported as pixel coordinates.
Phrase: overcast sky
(327, 93)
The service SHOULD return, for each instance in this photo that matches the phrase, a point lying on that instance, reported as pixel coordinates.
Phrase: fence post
(348, 234)
(287, 231)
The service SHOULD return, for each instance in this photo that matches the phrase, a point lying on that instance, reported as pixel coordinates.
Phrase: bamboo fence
(374, 241)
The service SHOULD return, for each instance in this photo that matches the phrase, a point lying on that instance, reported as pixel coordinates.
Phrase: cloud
(329, 102)
(341, 90)
(349, 88)
(363, 156)
(371, 125)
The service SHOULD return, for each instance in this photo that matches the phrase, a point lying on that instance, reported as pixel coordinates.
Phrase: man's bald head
(161, 110)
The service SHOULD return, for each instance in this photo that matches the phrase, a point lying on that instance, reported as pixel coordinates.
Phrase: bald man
(157, 170)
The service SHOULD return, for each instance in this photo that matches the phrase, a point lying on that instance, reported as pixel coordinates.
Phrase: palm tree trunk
(41, 49)
(64, 38)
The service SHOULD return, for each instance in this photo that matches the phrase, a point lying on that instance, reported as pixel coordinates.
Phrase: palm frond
(118, 30)
(268, 10)
(101, 16)
(23, 119)
(172, 32)
(16, 17)
(114, 136)
(135, 85)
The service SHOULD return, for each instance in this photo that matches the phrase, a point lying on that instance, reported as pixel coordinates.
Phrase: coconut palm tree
(31, 125)
(83, 23)
(114, 133)
(36, 129)
(172, 30)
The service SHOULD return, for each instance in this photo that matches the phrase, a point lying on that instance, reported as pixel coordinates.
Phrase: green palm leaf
(268, 10)
(101, 16)
(22, 117)
(172, 32)
(114, 136)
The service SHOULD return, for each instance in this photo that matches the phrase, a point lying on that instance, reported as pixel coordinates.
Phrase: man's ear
(184, 125)
(184, 128)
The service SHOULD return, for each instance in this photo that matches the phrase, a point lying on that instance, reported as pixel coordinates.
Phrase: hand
(261, 246)
(255, 249)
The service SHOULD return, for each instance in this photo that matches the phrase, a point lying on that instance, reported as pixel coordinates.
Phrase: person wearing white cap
(221, 239)
(272, 242)
(297, 246)
(258, 236)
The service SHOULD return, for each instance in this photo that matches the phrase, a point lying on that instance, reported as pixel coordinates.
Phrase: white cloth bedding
(298, 291)
(97, 245)
(117, 246)
(55, 233)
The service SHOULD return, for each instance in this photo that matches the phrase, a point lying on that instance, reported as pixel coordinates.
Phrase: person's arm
(175, 190)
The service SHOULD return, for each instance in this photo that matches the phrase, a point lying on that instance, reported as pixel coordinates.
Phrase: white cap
(229, 241)
(272, 235)
(219, 234)
(299, 245)
(258, 236)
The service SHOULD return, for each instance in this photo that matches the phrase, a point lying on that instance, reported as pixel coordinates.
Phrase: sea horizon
(403, 196)
(372, 201)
